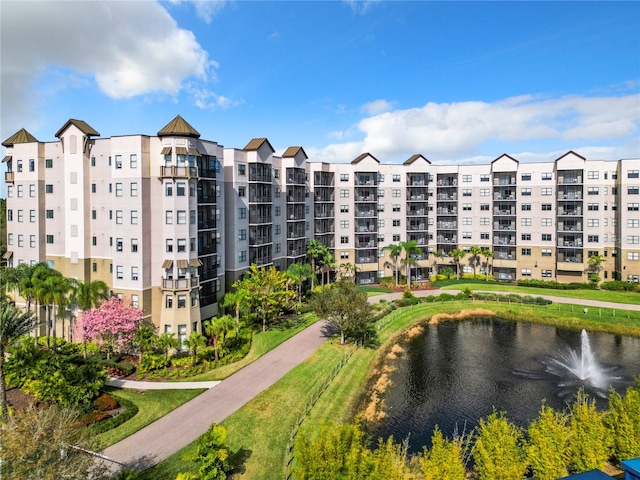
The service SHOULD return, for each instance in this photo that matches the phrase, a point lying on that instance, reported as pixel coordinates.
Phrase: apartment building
(172, 220)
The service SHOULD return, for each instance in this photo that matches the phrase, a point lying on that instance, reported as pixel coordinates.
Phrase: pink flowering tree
(113, 324)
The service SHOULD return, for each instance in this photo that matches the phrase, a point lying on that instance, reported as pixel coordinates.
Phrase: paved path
(185, 424)
(138, 385)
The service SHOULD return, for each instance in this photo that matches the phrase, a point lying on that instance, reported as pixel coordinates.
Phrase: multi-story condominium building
(172, 220)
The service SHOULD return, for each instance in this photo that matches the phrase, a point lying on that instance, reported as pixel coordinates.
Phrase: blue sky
(454, 81)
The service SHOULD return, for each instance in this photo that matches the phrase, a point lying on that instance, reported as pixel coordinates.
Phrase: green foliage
(153, 361)
(444, 460)
(552, 284)
(590, 438)
(130, 411)
(620, 286)
(212, 455)
(548, 449)
(498, 450)
(623, 420)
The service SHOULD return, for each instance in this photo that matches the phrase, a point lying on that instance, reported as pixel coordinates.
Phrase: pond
(454, 373)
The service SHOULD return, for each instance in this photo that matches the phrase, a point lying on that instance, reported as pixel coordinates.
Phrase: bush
(552, 284)
(153, 361)
(105, 402)
(619, 286)
(130, 410)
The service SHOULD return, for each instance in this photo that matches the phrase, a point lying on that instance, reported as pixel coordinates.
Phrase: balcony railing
(178, 283)
(9, 176)
(179, 172)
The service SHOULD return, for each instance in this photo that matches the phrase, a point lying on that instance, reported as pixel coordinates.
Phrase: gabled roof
(413, 158)
(293, 151)
(178, 127)
(83, 126)
(571, 152)
(21, 136)
(362, 157)
(505, 155)
(256, 143)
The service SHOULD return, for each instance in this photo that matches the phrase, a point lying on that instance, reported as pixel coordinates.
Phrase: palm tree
(166, 342)
(457, 254)
(475, 252)
(487, 254)
(436, 256)
(327, 263)
(300, 273)
(237, 299)
(395, 250)
(216, 329)
(13, 325)
(410, 247)
(194, 342)
(61, 295)
(145, 338)
(348, 271)
(315, 250)
(88, 295)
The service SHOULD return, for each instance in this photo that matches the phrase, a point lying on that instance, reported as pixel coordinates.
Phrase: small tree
(217, 329)
(113, 324)
(238, 300)
(594, 267)
(498, 450)
(166, 342)
(548, 449)
(395, 250)
(212, 454)
(195, 342)
(590, 439)
(623, 420)
(475, 252)
(457, 254)
(486, 253)
(444, 460)
(145, 339)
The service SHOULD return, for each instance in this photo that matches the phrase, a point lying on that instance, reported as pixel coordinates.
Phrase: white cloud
(204, 98)
(377, 106)
(205, 9)
(360, 6)
(445, 131)
(130, 48)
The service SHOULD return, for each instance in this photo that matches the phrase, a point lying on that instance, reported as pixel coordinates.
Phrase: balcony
(323, 196)
(260, 240)
(508, 211)
(365, 213)
(570, 243)
(177, 283)
(179, 172)
(416, 213)
(9, 177)
(504, 181)
(448, 182)
(569, 227)
(569, 195)
(366, 228)
(443, 197)
(569, 179)
(447, 211)
(447, 240)
(365, 181)
(511, 197)
(569, 212)
(504, 226)
(416, 227)
(367, 259)
(447, 225)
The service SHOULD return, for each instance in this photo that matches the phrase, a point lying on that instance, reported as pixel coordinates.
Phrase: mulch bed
(18, 399)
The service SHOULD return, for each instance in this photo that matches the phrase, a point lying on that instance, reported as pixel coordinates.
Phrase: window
(192, 217)
(526, 251)
(466, 178)
(466, 207)
(182, 245)
(484, 236)
(484, 192)
(525, 236)
(466, 221)
(344, 208)
(277, 247)
(19, 191)
(546, 191)
(632, 256)
(546, 237)
(344, 223)
(593, 190)
(93, 214)
(134, 189)
(169, 245)
(134, 245)
(276, 229)
(344, 240)
(242, 169)
(118, 216)
(396, 238)
(49, 239)
(526, 272)
(181, 189)
(396, 222)
(242, 234)
(466, 235)
(182, 217)
(593, 175)
(118, 189)
(525, 192)
(344, 255)
(525, 222)
(381, 222)
(10, 239)
(593, 207)
(633, 223)
(118, 161)
(525, 177)
(466, 192)
(633, 190)
(119, 272)
(593, 222)
(168, 189)
(593, 238)
(242, 212)
(484, 207)
(344, 177)
(168, 303)
(119, 244)
(546, 207)
(395, 177)
(546, 273)
(9, 215)
(526, 207)
(633, 207)
(344, 193)
(485, 221)
(545, 222)
(21, 239)
(395, 208)
(546, 176)
(20, 216)
(32, 190)
(134, 273)
(395, 193)
(242, 256)
(545, 252)
(93, 188)
(32, 165)
(633, 239)
(242, 191)
(134, 217)
(633, 174)
(276, 211)
(485, 177)
(48, 163)
(133, 160)
(182, 301)
(276, 173)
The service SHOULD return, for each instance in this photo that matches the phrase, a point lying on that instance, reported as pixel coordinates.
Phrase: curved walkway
(186, 423)
(141, 385)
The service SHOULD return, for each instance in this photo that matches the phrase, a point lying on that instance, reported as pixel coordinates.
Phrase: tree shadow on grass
(238, 460)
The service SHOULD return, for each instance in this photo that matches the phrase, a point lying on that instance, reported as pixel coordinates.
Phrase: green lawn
(152, 404)
(260, 430)
(601, 295)
(372, 291)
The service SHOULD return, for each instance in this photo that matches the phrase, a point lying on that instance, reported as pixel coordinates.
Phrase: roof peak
(21, 136)
(178, 127)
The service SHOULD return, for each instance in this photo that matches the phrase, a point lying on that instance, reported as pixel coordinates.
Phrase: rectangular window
(396, 238)
(485, 207)
(632, 256)
(546, 176)
(118, 161)
(593, 190)
(134, 245)
(277, 247)
(593, 175)
(633, 174)
(545, 222)
(593, 238)
(545, 252)
(119, 272)
(119, 217)
(633, 190)
(242, 191)
(344, 177)
(344, 193)
(242, 256)
(395, 177)
(181, 189)
(169, 245)
(466, 207)
(395, 193)
(633, 239)
(344, 240)
(526, 272)
(119, 244)
(396, 223)
(526, 251)
(242, 169)
(485, 177)
(276, 229)
(242, 234)
(32, 190)
(526, 207)
(20, 216)
(466, 235)
(525, 177)
(633, 207)
(182, 245)
(466, 178)
(344, 223)
(168, 217)
(134, 189)
(48, 188)
(525, 222)
(133, 160)
(546, 274)
(395, 208)
(344, 208)
(32, 165)
(546, 207)
(484, 192)
(49, 239)
(344, 255)
(525, 236)
(242, 212)
(547, 237)
(593, 222)
(48, 163)
(484, 236)
(466, 192)
(485, 221)
(134, 273)
(466, 221)
(181, 217)
(182, 303)
(192, 217)
(134, 217)
(118, 189)
(633, 223)
(525, 192)
(593, 207)
(545, 192)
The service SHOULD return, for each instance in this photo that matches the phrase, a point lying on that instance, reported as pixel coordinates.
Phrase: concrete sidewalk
(141, 385)
(185, 424)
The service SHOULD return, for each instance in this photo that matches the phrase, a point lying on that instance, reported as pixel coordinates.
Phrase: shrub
(445, 297)
(619, 286)
(105, 402)
(153, 361)
(130, 410)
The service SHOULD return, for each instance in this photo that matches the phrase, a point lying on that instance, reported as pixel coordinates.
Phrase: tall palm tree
(14, 323)
(410, 248)
(475, 252)
(87, 295)
(300, 273)
(348, 271)
(436, 256)
(239, 300)
(395, 250)
(315, 250)
(194, 342)
(457, 254)
(487, 253)
(327, 262)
